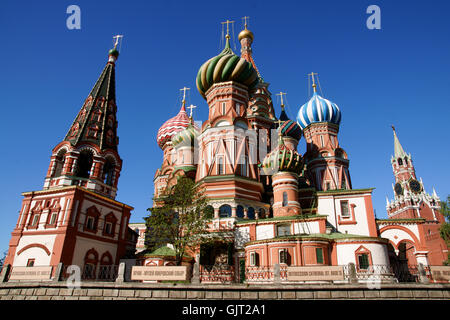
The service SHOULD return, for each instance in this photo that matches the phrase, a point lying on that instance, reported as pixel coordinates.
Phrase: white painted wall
(264, 232)
(40, 256)
(306, 227)
(103, 212)
(83, 245)
(346, 252)
(331, 207)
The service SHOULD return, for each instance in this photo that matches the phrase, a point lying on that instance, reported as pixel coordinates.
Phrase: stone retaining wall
(144, 291)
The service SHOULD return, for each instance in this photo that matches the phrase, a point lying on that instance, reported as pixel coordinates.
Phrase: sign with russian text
(152, 273)
(440, 273)
(325, 273)
(30, 273)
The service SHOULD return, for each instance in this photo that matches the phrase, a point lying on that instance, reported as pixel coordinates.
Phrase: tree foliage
(2, 259)
(180, 218)
(445, 227)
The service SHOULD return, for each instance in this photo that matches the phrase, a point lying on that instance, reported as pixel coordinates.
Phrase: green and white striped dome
(282, 158)
(186, 137)
(226, 67)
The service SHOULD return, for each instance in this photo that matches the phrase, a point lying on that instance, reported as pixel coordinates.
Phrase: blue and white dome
(318, 109)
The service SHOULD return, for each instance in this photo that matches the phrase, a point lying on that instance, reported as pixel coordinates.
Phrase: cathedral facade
(274, 205)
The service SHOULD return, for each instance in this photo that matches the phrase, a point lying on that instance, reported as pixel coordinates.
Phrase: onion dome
(282, 158)
(245, 34)
(318, 109)
(172, 126)
(227, 66)
(186, 137)
(289, 128)
(113, 52)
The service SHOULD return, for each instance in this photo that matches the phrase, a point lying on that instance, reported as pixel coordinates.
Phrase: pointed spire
(283, 116)
(398, 149)
(96, 122)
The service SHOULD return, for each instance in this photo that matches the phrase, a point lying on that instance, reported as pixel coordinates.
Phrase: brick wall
(140, 291)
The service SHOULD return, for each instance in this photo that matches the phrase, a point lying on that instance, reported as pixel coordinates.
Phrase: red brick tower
(75, 219)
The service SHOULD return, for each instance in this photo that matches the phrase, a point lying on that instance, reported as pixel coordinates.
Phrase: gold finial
(245, 33)
(312, 74)
(228, 28)
(393, 128)
(281, 94)
(116, 38)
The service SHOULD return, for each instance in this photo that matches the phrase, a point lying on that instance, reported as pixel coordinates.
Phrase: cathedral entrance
(404, 263)
(216, 262)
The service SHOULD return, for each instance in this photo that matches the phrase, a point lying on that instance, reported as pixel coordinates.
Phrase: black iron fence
(91, 273)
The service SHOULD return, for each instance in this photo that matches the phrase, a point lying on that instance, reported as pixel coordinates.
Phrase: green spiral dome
(282, 158)
(226, 67)
(186, 137)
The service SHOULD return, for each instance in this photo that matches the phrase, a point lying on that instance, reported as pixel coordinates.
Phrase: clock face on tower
(414, 185)
(398, 189)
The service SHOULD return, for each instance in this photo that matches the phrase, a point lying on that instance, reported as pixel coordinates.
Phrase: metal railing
(217, 273)
(370, 273)
(94, 273)
(259, 274)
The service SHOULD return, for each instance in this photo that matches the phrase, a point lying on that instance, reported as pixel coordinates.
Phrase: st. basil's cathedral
(273, 203)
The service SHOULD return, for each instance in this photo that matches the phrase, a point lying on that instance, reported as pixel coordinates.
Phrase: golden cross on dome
(245, 21)
(191, 107)
(312, 74)
(116, 38)
(281, 95)
(228, 29)
(184, 93)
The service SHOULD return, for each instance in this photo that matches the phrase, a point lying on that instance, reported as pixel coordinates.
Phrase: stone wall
(153, 291)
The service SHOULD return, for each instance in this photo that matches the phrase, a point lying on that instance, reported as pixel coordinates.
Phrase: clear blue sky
(397, 75)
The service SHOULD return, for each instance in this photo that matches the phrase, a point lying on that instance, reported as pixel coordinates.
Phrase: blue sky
(397, 75)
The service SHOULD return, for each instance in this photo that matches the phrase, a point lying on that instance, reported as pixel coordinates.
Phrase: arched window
(84, 164)
(243, 165)
(108, 172)
(406, 160)
(284, 256)
(90, 264)
(225, 211)
(59, 163)
(220, 167)
(400, 161)
(251, 213)
(343, 182)
(240, 211)
(262, 213)
(285, 199)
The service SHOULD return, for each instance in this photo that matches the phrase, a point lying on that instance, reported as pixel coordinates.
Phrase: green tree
(445, 227)
(181, 218)
(2, 260)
